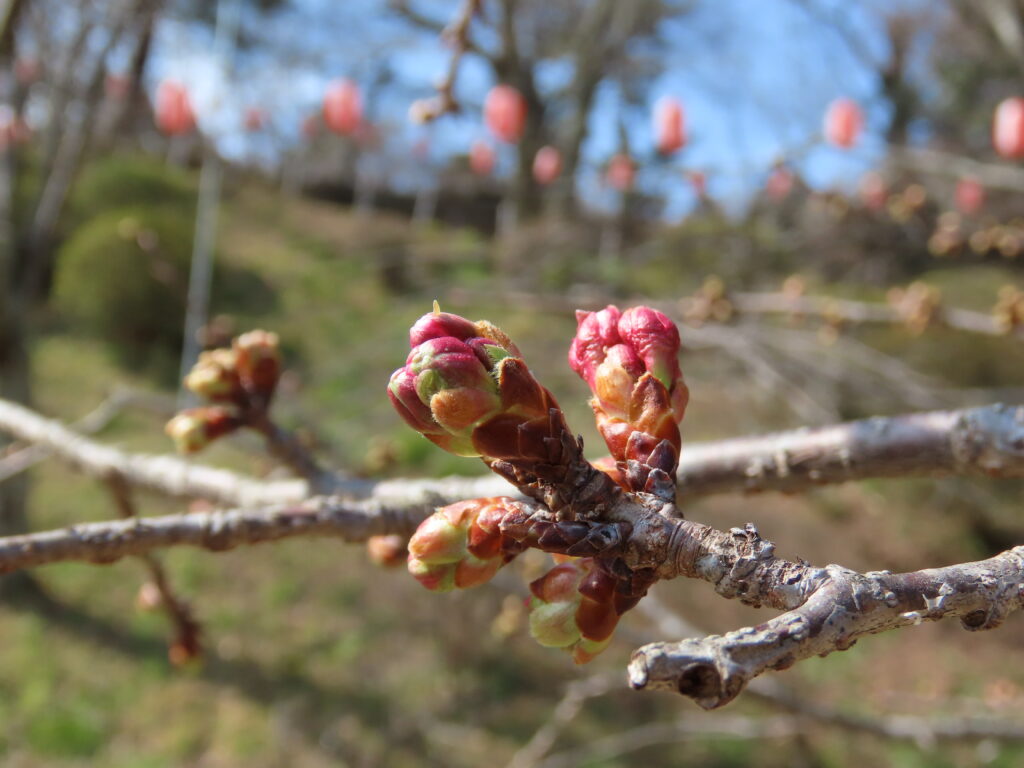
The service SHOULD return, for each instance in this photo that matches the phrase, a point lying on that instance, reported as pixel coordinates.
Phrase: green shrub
(118, 181)
(123, 276)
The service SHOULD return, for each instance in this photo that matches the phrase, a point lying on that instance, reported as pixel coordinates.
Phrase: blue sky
(755, 77)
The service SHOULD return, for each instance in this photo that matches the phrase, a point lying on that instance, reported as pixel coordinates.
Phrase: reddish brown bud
(387, 551)
(259, 362)
(215, 377)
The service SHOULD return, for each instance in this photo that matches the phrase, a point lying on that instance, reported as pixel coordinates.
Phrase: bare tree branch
(106, 542)
(830, 609)
(986, 441)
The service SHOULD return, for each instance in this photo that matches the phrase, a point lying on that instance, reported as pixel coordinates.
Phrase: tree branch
(831, 608)
(106, 542)
(986, 441)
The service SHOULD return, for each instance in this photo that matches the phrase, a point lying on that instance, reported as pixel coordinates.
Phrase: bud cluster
(573, 607)
(238, 382)
(630, 360)
(461, 545)
(465, 387)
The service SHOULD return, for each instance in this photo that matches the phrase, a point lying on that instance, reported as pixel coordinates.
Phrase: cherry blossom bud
(387, 551)
(215, 377)
(195, 428)
(573, 608)
(655, 339)
(259, 362)
(461, 545)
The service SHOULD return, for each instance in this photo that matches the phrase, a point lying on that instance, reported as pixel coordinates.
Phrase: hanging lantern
(699, 181)
(844, 122)
(620, 173)
(779, 184)
(547, 165)
(343, 107)
(1008, 128)
(969, 195)
(505, 113)
(669, 126)
(116, 87)
(873, 191)
(174, 115)
(255, 118)
(481, 158)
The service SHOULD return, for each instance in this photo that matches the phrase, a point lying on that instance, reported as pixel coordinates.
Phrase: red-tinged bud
(438, 325)
(387, 551)
(259, 362)
(472, 396)
(195, 428)
(461, 545)
(596, 332)
(655, 339)
(215, 377)
(573, 608)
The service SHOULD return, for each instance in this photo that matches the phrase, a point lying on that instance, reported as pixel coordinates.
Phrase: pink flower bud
(655, 339)
(595, 333)
(615, 379)
(387, 551)
(436, 325)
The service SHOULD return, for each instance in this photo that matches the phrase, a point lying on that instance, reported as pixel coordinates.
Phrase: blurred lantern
(505, 113)
(620, 173)
(174, 115)
(970, 195)
(481, 158)
(26, 71)
(116, 87)
(254, 119)
(779, 184)
(547, 165)
(669, 126)
(343, 107)
(844, 122)
(873, 191)
(699, 181)
(1008, 128)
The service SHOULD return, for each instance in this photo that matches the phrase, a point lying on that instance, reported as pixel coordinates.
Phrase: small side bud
(387, 551)
(215, 377)
(195, 428)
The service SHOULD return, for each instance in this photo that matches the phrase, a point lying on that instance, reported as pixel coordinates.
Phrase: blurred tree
(596, 41)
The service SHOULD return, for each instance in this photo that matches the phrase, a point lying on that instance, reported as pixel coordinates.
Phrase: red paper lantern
(669, 126)
(505, 113)
(343, 107)
(547, 165)
(873, 191)
(174, 115)
(620, 173)
(699, 181)
(970, 195)
(780, 183)
(844, 122)
(481, 158)
(1008, 128)
(255, 118)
